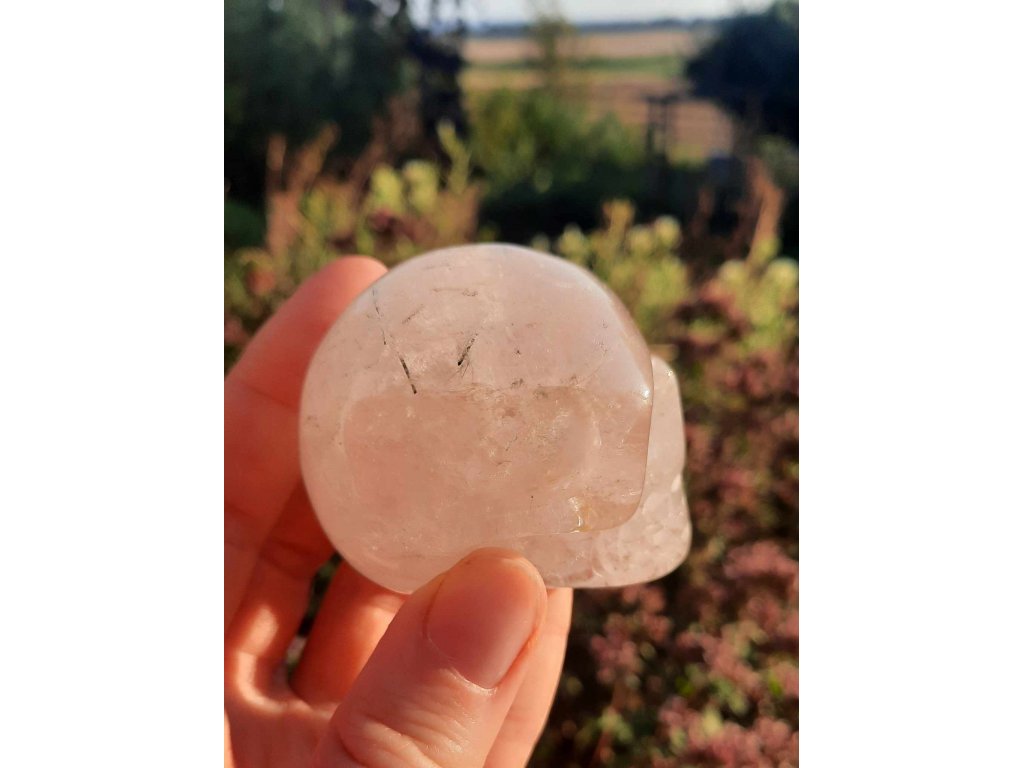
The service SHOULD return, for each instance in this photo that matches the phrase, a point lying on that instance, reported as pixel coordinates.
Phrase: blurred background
(653, 142)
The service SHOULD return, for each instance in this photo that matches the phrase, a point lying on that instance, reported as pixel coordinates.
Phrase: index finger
(261, 406)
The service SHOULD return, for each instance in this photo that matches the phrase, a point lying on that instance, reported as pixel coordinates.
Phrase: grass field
(663, 66)
(610, 72)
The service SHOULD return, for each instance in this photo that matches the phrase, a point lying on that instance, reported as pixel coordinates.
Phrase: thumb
(439, 684)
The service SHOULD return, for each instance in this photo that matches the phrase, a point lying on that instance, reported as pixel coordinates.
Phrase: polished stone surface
(476, 396)
(651, 543)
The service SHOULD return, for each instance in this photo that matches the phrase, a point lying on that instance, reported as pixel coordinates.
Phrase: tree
(753, 70)
(550, 32)
(293, 66)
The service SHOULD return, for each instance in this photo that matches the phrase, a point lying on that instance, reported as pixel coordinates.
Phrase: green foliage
(402, 211)
(546, 164)
(700, 668)
(549, 32)
(639, 263)
(292, 67)
(417, 208)
(531, 137)
(665, 66)
(782, 160)
(243, 225)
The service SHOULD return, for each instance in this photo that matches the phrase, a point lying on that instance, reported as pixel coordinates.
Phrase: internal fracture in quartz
(490, 396)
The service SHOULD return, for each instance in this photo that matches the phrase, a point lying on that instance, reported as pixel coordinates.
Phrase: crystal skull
(490, 395)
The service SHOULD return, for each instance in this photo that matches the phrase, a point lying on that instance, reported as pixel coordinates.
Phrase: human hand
(461, 673)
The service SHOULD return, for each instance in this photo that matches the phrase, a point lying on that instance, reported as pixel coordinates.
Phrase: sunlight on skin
(381, 688)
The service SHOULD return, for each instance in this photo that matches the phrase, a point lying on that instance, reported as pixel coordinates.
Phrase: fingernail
(484, 612)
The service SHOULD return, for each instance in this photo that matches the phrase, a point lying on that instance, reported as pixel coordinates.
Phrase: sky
(483, 11)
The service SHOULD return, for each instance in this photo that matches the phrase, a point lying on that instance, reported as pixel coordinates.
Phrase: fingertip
(486, 613)
(440, 683)
(363, 269)
(339, 282)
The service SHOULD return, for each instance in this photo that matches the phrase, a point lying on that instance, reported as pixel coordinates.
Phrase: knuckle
(371, 741)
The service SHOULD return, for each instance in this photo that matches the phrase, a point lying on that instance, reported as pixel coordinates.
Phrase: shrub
(530, 136)
(546, 165)
(640, 263)
(700, 667)
(398, 213)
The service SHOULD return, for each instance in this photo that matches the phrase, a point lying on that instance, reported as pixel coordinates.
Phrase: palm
(274, 545)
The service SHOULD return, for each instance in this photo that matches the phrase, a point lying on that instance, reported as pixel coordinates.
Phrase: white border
(112, 371)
